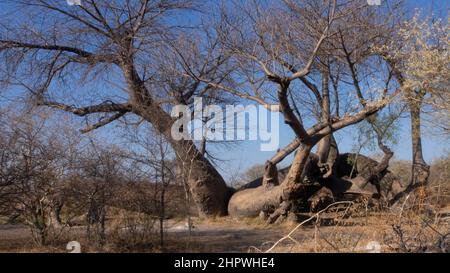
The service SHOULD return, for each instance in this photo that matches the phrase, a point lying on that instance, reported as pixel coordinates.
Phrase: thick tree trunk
(251, 202)
(420, 169)
(294, 186)
(323, 148)
(55, 215)
(296, 172)
(353, 176)
(260, 195)
(209, 191)
(270, 195)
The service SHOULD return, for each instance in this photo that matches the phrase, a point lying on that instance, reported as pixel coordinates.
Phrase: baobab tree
(281, 50)
(116, 59)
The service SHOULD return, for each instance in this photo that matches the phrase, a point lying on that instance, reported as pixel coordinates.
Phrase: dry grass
(331, 232)
(402, 229)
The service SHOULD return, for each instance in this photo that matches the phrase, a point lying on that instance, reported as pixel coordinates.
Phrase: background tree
(155, 163)
(94, 184)
(33, 160)
(419, 58)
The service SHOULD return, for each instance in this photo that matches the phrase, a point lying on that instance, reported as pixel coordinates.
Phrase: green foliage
(385, 125)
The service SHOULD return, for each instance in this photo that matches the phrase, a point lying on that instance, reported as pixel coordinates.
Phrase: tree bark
(269, 196)
(324, 145)
(55, 215)
(420, 169)
(209, 190)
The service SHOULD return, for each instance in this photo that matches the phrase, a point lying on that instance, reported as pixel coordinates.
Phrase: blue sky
(439, 7)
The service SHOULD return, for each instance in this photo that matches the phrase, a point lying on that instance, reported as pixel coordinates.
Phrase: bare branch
(103, 122)
(91, 57)
(83, 111)
(305, 70)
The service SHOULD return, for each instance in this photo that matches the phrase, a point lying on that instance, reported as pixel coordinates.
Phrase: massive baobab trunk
(208, 188)
(353, 176)
(266, 198)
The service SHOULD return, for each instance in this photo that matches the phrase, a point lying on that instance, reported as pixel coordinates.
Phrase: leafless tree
(132, 49)
(32, 171)
(93, 185)
(295, 44)
(155, 161)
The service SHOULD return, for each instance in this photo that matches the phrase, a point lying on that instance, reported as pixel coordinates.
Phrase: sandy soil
(204, 237)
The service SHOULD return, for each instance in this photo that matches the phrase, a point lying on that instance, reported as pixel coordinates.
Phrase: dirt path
(204, 237)
(14, 237)
(224, 237)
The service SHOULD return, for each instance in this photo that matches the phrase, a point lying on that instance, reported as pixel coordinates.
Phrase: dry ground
(223, 236)
(330, 233)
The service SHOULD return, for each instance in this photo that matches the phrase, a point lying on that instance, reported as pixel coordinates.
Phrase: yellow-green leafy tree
(419, 59)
